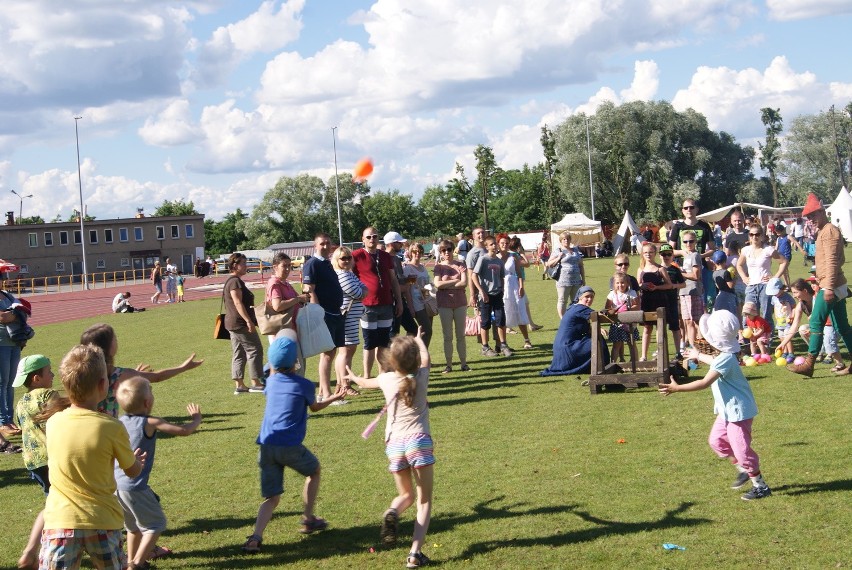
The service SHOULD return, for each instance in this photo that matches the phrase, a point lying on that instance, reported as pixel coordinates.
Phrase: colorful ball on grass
(778, 352)
(799, 360)
(767, 359)
(791, 358)
(363, 168)
(781, 361)
(749, 361)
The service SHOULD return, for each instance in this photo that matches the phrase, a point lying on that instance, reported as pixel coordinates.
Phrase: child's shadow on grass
(671, 519)
(16, 476)
(805, 488)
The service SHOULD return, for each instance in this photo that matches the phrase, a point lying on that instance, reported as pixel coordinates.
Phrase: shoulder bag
(219, 330)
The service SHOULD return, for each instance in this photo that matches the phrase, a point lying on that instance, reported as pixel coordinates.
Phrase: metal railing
(68, 283)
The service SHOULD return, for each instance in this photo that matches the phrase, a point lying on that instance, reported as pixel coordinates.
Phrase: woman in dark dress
(241, 322)
(572, 348)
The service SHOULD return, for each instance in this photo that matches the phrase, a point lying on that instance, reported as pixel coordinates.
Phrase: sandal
(10, 447)
(313, 525)
(838, 368)
(350, 391)
(238, 391)
(465, 368)
(253, 544)
(527, 343)
(159, 552)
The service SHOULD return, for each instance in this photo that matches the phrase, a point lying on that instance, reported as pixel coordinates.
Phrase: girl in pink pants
(733, 401)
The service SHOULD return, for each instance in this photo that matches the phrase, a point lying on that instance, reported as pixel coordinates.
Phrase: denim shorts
(272, 459)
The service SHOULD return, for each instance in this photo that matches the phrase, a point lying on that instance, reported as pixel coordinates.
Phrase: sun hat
(27, 366)
(582, 291)
(394, 237)
(811, 205)
(720, 328)
(749, 308)
(774, 285)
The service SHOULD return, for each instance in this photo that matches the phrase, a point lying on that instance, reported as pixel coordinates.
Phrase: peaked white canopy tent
(627, 229)
(714, 216)
(840, 213)
(583, 230)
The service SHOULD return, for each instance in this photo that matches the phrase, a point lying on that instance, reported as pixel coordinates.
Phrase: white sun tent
(621, 241)
(583, 230)
(714, 216)
(840, 213)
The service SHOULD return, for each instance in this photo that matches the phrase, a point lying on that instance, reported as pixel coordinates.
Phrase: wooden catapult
(634, 373)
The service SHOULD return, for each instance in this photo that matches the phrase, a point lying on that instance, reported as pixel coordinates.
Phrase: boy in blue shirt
(285, 422)
(734, 402)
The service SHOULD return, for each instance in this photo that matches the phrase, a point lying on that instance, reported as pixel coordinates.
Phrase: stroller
(810, 253)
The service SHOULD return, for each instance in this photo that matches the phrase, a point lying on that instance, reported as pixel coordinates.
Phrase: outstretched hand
(193, 410)
(191, 363)
(670, 388)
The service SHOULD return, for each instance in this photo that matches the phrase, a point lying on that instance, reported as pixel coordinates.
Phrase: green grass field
(530, 472)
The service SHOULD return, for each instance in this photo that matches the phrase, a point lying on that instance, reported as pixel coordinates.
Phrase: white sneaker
(339, 403)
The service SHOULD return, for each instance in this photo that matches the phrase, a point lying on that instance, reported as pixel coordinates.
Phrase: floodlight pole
(21, 211)
(337, 186)
(589, 152)
(82, 211)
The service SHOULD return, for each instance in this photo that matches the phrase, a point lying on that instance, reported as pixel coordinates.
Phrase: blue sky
(213, 101)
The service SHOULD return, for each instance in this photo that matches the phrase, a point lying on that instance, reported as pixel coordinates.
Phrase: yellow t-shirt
(81, 448)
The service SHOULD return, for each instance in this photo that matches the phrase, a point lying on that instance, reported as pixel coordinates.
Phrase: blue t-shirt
(319, 274)
(285, 420)
(732, 397)
(784, 248)
(135, 426)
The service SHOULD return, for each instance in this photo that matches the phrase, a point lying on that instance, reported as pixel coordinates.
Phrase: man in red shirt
(375, 269)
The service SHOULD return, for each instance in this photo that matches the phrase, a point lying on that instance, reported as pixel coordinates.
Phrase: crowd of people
(730, 289)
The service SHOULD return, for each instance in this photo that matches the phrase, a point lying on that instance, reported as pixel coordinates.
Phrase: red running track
(60, 307)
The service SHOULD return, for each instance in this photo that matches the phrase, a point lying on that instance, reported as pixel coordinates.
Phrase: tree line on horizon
(645, 157)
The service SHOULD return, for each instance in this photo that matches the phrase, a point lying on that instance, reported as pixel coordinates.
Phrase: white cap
(392, 237)
(774, 285)
(720, 329)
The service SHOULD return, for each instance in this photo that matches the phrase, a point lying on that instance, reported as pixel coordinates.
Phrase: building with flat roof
(43, 250)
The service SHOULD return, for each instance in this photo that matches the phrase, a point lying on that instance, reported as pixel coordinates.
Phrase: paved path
(61, 307)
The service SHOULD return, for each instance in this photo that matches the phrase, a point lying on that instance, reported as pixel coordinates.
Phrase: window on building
(175, 232)
(137, 234)
(101, 264)
(63, 238)
(60, 266)
(161, 232)
(93, 236)
(122, 234)
(125, 262)
(48, 239)
(107, 235)
(78, 237)
(33, 239)
(189, 230)
(24, 269)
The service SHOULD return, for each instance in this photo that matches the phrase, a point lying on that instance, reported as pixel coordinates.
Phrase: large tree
(645, 158)
(520, 201)
(288, 212)
(393, 211)
(176, 208)
(770, 151)
(224, 236)
(817, 155)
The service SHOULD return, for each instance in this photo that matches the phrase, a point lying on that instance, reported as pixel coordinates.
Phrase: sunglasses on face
(689, 207)
(446, 251)
(666, 254)
(374, 236)
(345, 258)
(754, 235)
(689, 241)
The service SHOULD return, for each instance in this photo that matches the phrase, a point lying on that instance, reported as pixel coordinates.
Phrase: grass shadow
(806, 488)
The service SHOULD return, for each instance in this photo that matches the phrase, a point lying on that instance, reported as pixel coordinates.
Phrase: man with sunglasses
(320, 281)
(375, 268)
(830, 300)
(704, 244)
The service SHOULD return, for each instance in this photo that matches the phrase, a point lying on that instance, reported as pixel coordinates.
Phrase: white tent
(715, 215)
(840, 213)
(622, 237)
(583, 230)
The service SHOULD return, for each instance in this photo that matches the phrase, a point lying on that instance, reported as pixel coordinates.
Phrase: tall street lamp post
(21, 211)
(337, 185)
(82, 210)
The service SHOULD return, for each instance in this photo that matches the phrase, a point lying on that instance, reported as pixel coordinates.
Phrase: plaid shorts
(691, 307)
(63, 548)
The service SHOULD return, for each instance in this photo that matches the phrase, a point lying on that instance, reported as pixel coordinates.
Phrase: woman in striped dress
(353, 291)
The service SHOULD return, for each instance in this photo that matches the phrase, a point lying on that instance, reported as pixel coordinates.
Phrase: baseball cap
(719, 257)
(27, 366)
(665, 247)
(813, 269)
(282, 353)
(774, 285)
(393, 237)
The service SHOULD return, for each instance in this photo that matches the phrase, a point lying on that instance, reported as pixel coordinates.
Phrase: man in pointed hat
(831, 298)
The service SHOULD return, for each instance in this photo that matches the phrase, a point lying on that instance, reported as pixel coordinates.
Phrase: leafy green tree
(645, 157)
(446, 210)
(31, 220)
(555, 203)
(176, 208)
(817, 155)
(486, 169)
(521, 199)
(352, 217)
(290, 211)
(224, 236)
(393, 211)
(771, 150)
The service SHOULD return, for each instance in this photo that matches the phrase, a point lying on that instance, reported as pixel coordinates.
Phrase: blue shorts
(495, 305)
(40, 476)
(272, 460)
(416, 450)
(337, 328)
